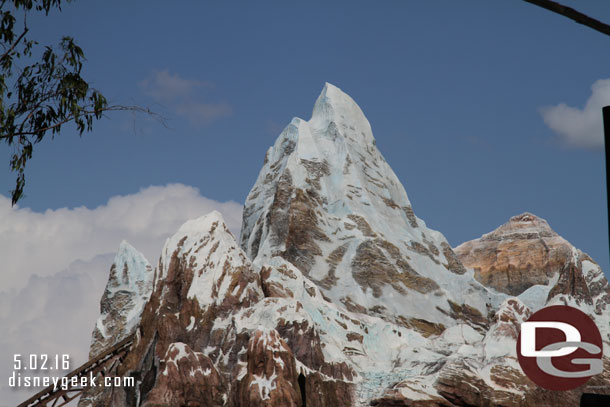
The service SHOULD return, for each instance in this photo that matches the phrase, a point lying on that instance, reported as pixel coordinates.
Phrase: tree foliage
(41, 87)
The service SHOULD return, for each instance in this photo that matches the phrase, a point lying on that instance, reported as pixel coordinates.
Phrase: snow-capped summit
(135, 271)
(206, 247)
(128, 289)
(335, 106)
(327, 202)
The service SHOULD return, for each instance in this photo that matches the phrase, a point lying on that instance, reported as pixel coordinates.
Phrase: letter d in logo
(528, 338)
(555, 343)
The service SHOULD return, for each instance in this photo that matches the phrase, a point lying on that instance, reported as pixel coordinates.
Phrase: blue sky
(453, 91)
(484, 109)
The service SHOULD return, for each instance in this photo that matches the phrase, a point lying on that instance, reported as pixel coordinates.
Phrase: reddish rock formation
(186, 378)
(523, 252)
(270, 377)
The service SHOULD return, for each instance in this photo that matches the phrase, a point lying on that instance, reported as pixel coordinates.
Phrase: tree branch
(70, 118)
(570, 13)
(8, 51)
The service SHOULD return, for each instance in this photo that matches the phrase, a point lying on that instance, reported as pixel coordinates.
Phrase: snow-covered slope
(340, 296)
(327, 202)
(127, 291)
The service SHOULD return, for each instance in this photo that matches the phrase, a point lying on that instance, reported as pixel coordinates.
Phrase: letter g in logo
(560, 348)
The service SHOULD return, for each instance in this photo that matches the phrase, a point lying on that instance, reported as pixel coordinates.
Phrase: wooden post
(606, 114)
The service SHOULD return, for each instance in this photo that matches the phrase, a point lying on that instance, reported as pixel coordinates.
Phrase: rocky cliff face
(523, 252)
(127, 291)
(525, 257)
(338, 295)
(327, 203)
(209, 334)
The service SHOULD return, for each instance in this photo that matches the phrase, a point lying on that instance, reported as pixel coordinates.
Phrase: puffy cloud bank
(55, 266)
(581, 128)
(44, 243)
(52, 315)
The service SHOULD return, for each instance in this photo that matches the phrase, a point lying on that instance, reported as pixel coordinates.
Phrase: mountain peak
(203, 223)
(206, 244)
(525, 223)
(335, 106)
(127, 291)
(333, 96)
(126, 252)
(524, 217)
(327, 202)
(523, 252)
(132, 270)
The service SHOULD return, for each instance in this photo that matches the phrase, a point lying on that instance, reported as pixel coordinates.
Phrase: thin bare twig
(70, 118)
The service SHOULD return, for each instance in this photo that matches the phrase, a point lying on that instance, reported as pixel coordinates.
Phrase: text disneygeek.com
(66, 383)
(43, 362)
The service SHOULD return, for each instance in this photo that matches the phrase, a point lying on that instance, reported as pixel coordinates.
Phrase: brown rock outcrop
(179, 355)
(523, 252)
(186, 378)
(270, 377)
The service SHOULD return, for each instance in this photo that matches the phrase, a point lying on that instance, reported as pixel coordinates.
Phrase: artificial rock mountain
(338, 295)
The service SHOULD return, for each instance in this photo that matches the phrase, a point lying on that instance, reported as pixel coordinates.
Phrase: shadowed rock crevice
(302, 388)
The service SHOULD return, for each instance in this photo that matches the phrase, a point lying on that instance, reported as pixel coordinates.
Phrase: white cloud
(45, 243)
(52, 315)
(581, 128)
(165, 87)
(184, 97)
(55, 265)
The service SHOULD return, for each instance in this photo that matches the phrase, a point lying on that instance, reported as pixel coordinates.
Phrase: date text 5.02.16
(41, 362)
